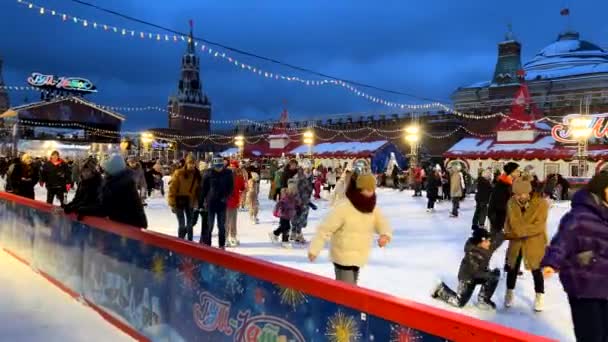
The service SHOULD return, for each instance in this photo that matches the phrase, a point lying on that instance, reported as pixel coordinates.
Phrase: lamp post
(309, 140)
(146, 139)
(239, 142)
(581, 131)
(412, 136)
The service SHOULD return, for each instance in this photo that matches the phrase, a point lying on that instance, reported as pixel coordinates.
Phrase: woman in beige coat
(526, 230)
(350, 228)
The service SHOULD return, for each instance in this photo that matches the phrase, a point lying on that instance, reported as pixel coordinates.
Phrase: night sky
(427, 48)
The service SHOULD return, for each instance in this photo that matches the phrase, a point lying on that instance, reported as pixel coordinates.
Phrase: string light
(267, 74)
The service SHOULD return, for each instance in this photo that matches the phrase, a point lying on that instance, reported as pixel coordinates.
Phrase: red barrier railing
(449, 325)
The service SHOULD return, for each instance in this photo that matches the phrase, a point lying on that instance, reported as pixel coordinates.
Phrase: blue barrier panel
(159, 288)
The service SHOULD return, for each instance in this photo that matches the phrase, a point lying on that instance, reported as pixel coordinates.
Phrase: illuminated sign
(565, 133)
(75, 84)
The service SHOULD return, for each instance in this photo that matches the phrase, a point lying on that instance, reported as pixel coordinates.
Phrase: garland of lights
(85, 23)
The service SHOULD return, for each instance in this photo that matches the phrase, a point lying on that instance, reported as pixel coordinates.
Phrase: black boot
(181, 233)
(444, 293)
(484, 300)
(190, 233)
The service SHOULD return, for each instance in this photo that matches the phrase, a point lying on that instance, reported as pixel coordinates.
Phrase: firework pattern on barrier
(168, 296)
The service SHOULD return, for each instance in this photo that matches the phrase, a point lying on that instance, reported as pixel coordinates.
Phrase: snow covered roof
(544, 147)
(342, 148)
(568, 56)
(323, 150)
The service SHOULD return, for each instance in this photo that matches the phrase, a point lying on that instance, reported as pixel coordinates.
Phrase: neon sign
(598, 124)
(75, 84)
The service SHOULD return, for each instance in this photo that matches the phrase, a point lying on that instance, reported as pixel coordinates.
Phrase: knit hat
(479, 235)
(522, 186)
(114, 165)
(510, 167)
(598, 184)
(366, 182)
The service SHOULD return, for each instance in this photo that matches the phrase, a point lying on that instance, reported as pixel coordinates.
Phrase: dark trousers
(417, 189)
(221, 226)
(590, 318)
(185, 217)
(204, 224)
(455, 205)
(52, 193)
(284, 228)
(539, 281)
(466, 288)
(481, 212)
(431, 203)
(347, 274)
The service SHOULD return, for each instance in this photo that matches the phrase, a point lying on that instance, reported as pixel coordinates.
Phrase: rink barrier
(159, 288)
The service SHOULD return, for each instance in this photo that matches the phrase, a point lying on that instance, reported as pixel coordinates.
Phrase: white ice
(426, 248)
(32, 309)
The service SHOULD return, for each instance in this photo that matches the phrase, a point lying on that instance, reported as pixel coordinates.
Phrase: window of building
(575, 171)
(551, 169)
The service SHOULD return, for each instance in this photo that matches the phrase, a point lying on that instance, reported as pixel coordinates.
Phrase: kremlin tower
(190, 100)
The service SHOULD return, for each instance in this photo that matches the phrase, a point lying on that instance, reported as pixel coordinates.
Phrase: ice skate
(539, 302)
(486, 304)
(286, 245)
(273, 238)
(509, 297)
(300, 239)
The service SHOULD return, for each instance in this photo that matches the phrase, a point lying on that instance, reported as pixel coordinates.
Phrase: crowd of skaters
(513, 202)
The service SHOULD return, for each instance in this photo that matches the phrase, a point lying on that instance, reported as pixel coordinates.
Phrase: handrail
(449, 325)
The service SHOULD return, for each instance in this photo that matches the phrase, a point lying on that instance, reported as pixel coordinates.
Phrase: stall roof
(75, 99)
(544, 147)
(347, 149)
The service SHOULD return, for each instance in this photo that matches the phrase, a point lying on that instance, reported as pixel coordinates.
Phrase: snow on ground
(32, 309)
(426, 248)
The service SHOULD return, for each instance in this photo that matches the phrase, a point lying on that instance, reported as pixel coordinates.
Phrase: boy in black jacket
(473, 271)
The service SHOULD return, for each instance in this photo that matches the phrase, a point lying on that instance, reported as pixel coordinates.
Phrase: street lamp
(581, 131)
(146, 139)
(239, 142)
(412, 136)
(309, 139)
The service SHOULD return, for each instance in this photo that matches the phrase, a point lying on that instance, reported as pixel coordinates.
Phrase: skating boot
(286, 245)
(300, 239)
(509, 297)
(539, 302)
(273, 238)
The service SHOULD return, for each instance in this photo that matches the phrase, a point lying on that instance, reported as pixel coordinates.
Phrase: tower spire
(4, 103)
(191, 37)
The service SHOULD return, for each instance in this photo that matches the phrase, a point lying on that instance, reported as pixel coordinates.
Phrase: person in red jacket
(233, 203)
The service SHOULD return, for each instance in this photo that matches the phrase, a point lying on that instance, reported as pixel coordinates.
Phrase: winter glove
(312, 206)
(173, 210)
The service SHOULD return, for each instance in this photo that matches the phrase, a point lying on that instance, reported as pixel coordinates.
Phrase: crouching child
(473, 271)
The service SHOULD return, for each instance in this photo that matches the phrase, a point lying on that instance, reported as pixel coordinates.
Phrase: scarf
(362, 203)
(506, 179)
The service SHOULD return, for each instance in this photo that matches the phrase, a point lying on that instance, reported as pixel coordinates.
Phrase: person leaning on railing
(120, 200)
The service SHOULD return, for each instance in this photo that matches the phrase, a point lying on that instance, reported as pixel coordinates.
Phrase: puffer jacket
(579, 250)
(120, 201)
(237, 191)
(475, 263)
(350, 232)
